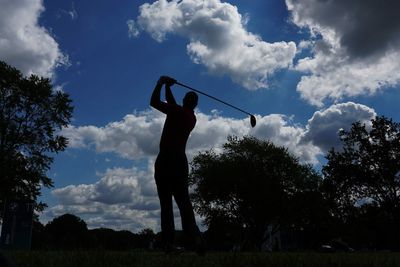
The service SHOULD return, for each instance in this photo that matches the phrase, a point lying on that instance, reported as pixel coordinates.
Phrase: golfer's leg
(167, 216)
(165, 196)
(181, 195)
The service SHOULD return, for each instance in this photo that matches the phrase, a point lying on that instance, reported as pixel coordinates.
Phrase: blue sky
(305, 68)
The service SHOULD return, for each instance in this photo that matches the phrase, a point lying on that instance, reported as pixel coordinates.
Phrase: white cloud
(116, 186)
(133, 31)
(123, 198)
(218, 39)
(116, 216)
(353, 53)
(350, 24)
(281, 131)
(25, 44)
(334, 77)
(137, 135)
(324, 126)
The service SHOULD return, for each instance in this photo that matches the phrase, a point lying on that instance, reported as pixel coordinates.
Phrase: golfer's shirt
(179, 123)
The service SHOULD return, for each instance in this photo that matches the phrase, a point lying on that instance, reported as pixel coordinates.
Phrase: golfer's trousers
(171, 175)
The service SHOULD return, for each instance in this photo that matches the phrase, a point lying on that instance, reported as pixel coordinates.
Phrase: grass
(156, 259)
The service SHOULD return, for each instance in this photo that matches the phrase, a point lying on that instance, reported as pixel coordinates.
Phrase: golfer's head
(190, 100)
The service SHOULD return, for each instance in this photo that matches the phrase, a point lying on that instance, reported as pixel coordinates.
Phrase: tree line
(255, 189)
(252, 195)
(69, 232)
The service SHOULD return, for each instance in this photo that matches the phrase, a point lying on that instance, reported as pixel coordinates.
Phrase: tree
(31, 115)
(253, 184)
(68, 232)
(109, 239)
(40, 237)
(146, 238)
(363, 178)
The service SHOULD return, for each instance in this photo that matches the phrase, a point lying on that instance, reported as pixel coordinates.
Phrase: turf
(156, 259)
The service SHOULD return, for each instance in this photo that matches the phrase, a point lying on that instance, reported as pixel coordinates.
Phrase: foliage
(366, 173)
(253, 184)
(147, 238)
(31, 114)
(368, 167)
(67, 224)
(68, 232)
(110, 239)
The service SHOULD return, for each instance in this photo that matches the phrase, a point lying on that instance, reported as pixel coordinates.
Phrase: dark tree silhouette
(110, 239)
(366, 172)
(40, 237)
(31, 113)
(146, 238)
(68, 232)
(253, 184)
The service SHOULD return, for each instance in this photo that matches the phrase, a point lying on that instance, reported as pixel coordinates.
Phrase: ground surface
(155, 259)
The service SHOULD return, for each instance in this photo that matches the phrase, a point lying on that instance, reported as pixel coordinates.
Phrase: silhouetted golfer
(171, 166)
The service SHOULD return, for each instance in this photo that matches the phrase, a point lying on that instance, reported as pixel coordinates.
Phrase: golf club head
(253, 121)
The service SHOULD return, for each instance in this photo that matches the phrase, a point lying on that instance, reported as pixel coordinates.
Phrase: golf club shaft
(210, 96)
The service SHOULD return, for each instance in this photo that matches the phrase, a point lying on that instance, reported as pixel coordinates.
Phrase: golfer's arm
(169, 96)
(155, 100)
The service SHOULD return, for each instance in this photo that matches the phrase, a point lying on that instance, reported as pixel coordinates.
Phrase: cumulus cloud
(324, 126)
(24, 43)
(283, 132)
(116, 216)
(123, 198)
(362, 27)
(354, 46)
(334, 77)
(218, 39)
(117, 185)
(137, 136)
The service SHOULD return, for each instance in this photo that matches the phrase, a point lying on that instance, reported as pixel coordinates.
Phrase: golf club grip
(210, 96)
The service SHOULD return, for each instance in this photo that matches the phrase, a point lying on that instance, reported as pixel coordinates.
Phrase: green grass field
(155, 259)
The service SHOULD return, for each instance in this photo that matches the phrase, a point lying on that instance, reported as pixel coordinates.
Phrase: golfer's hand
(166, 80)
(170, 81)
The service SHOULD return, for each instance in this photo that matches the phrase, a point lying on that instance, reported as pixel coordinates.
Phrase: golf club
(252, 118)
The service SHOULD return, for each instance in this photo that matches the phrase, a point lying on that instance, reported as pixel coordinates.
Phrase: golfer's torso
(177, 127)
